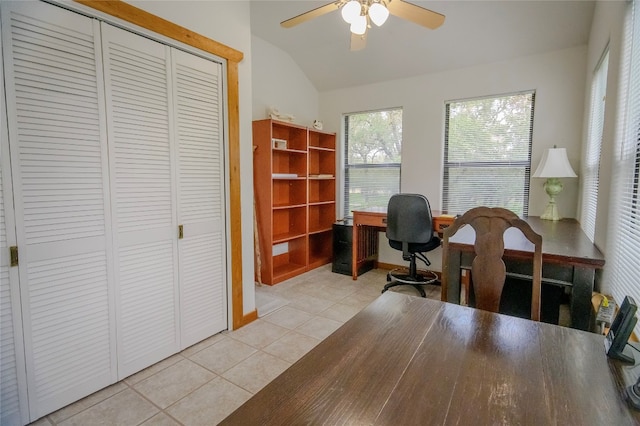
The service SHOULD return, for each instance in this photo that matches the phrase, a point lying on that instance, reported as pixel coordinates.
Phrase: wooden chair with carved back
(488, 270)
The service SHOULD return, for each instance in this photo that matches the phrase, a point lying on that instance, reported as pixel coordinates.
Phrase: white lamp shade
(378, 13)
(351, 11)
(554, 164)
(359, 25)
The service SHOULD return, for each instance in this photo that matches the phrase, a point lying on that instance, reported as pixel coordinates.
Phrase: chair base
(401, 276)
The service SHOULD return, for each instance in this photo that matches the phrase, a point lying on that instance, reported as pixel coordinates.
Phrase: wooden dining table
(405, 360)
(569, 260)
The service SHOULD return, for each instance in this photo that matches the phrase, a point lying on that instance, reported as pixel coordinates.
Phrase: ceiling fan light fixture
(359, 25)
(360, 13)
(351, 11)
(378, 13)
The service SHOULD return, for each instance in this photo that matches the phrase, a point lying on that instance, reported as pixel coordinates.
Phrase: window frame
(591, 162)
(623, 232)
(450, 165)
(346, 166)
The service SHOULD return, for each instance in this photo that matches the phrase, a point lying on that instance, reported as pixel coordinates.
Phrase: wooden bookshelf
(295, 194)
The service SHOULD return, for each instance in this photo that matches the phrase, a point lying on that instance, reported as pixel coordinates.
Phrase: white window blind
(373, 142)
(591, 166)
(487, 153)
(622, 272)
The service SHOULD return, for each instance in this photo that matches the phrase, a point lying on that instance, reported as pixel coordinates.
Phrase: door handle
(13, 254)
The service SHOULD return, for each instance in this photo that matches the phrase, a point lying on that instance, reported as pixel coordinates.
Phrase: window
(591, 166)
(373, 142)
(623, 245)
(487, 153)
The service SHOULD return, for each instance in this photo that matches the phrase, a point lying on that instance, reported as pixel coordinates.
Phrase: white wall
(558, 78)
(229, 23)
(279, 82)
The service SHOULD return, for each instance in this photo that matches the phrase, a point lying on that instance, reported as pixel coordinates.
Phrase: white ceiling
(474, 32)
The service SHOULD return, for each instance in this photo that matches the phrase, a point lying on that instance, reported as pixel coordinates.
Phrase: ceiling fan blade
(358, 42)
(417, 14)
(307, 16)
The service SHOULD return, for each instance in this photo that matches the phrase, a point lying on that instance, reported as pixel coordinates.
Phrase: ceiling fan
(360, 14)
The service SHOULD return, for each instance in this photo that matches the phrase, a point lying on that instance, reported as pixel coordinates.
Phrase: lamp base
(553, 187)
(551, 212)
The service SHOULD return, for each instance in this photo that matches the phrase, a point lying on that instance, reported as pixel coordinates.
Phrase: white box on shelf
(278, 143)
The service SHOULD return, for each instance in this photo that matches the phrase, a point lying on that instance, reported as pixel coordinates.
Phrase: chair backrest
(488, 270)
(409, 219)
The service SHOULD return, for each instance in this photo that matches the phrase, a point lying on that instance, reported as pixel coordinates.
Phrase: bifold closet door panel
(57, 139)
(13, 392)
(201, 206)
(137, 77)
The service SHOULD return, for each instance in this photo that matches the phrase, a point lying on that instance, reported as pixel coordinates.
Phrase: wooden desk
(569, 258)
(366, 225)
(406, 360)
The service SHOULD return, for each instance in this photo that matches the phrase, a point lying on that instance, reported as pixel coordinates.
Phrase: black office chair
(410, 229)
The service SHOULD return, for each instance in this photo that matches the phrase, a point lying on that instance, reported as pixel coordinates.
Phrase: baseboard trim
(387, 266)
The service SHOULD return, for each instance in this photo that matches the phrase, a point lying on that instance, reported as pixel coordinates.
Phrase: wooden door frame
(141, 18)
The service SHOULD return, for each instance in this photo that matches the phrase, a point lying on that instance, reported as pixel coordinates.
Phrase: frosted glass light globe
(378, 13)
(351, 11)
(359, 25)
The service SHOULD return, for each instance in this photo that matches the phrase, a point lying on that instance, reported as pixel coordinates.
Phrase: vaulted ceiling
(474, 32)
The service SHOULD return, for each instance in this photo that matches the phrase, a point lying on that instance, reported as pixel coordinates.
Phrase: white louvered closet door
(13, 395)
(137, 77)
(59, 167)
(201, 205)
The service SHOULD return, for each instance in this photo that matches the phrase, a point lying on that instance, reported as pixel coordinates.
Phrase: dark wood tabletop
(405, 360)
(563, 241)
(569, 259)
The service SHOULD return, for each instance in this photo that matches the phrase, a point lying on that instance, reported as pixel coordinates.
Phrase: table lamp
(554, 165)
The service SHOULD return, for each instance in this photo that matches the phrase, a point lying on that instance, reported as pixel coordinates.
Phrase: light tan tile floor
(206, 382)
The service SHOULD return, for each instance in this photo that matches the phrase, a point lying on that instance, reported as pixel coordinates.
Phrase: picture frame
(615, 342)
